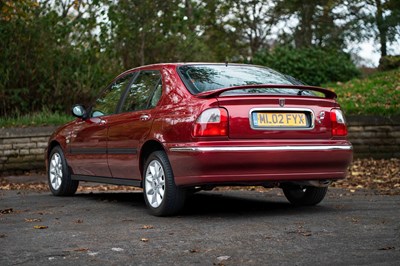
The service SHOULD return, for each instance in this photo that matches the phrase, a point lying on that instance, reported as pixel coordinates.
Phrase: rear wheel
(304, 195)
(162, 196)
(59, 177)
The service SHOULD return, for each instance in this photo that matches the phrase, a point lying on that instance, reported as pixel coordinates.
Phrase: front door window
(107, 103)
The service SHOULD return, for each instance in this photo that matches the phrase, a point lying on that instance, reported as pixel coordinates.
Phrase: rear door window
(144, 92)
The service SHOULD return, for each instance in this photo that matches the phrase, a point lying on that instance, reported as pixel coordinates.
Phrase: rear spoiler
(215, 93)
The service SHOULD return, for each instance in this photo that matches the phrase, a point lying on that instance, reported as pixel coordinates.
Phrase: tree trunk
(381, 27)
(142, 43)
(304, 32)
(189, 14)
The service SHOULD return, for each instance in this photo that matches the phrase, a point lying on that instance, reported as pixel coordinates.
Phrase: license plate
(296, 120)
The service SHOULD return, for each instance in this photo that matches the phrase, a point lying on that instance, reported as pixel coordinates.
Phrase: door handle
(144, 117)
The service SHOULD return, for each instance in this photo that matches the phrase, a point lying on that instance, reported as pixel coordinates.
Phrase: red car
(177, 128)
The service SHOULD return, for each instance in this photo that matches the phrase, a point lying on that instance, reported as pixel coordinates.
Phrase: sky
(369, 51)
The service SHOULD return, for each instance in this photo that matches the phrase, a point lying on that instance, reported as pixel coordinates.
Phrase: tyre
(162, 196)
(59, 176)
(304, 195)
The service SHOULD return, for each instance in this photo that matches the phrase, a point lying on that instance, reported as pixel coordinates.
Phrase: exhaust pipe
(312, 183)
(318, 183)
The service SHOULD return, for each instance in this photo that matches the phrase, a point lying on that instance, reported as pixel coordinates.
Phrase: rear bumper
(242, 162)
(262, 149)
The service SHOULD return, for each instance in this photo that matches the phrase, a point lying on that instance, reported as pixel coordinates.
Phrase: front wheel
(59, 177)
(161, 195)
(304, 195)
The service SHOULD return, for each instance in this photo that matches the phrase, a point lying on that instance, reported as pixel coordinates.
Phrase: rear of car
(196, 126)
(259, 127)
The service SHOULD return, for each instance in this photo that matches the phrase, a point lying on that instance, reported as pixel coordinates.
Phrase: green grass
(378, 94)
(44, 118)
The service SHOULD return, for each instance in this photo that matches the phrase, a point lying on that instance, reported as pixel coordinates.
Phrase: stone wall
(23, 148)
(374, 136)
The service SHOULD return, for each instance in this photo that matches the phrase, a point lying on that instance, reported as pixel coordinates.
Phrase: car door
(88, 141)
(127, 133)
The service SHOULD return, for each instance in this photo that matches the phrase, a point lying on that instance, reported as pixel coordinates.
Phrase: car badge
(321, 117)
(281, 102)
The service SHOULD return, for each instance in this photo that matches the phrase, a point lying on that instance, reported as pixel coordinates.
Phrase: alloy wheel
(55, 170)
(155, 183)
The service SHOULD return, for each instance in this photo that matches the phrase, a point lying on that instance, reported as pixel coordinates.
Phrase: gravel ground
(356, 224)
(215, 228)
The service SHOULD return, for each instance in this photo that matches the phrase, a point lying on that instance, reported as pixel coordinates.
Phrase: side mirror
(79, 111)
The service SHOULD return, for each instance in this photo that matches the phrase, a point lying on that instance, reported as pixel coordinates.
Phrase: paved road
(216, 228)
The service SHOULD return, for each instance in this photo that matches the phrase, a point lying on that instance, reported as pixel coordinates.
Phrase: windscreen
(202, 78)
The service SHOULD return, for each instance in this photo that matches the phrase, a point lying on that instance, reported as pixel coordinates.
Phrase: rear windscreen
(202, 78)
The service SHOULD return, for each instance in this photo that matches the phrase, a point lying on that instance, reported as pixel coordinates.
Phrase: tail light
(211, 123)
(339, 127)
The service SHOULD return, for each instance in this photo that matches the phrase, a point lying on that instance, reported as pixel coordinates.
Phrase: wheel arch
(147, 148)
(50, 147)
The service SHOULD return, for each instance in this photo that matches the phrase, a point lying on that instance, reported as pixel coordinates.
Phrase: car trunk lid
(278, 117)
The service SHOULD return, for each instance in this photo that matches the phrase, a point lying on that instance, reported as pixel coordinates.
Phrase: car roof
(176, 64)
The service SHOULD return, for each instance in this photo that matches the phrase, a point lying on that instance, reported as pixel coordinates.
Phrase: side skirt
(108, 180)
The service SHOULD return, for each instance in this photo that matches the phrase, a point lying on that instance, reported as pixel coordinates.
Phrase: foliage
(376, 94)
(57, 53)
(42, 118)
(389, 62)
(313, 66)
(146, 32)
(48, 64)
(335, 23)
(383, 23)
(252, 21)
(321, 23)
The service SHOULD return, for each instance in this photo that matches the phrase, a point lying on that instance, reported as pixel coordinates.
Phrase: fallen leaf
(193, 250)
(3, 235)
(128, 220)
(6, 211)
(40, 227)
(93, 253)
(387, 248)
(144, 239)
(81, 249)
(221, 258)
(32, 220)
(379, 175)
(147, 227)
(78, 221)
